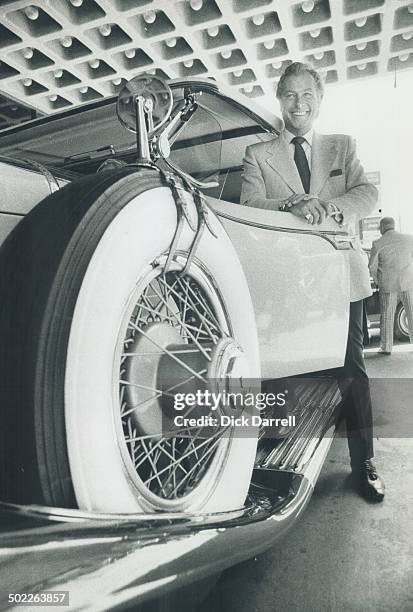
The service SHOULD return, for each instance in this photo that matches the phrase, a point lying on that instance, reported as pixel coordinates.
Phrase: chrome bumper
(108, 560)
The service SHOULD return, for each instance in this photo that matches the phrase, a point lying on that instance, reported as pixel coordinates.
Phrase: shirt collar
(289, 136)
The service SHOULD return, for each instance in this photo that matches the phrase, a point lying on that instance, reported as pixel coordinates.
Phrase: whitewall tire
(98, 327)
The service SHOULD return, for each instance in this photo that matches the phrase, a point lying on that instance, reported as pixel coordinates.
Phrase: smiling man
(314, 176)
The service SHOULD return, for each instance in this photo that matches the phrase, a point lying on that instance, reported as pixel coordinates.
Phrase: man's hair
(295, 69)
(387, 223)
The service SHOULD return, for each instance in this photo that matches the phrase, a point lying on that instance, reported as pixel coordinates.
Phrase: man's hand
(308, 207)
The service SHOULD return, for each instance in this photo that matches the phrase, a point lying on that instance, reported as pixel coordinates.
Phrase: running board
(319, 400)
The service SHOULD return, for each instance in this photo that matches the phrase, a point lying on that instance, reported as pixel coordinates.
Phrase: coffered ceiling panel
(55, 54)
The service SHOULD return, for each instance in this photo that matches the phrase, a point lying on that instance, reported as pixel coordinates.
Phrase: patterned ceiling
(55, 54)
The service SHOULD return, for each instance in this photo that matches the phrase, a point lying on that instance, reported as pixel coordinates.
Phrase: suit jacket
(391, 261)
(270, 176)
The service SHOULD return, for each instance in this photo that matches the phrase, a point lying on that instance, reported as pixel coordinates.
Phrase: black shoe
(368, 482)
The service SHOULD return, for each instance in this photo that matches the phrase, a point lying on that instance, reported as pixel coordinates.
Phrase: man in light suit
(313, 176)
(391, 265)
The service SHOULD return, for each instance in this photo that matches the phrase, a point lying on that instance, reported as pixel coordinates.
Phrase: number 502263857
(42, 598)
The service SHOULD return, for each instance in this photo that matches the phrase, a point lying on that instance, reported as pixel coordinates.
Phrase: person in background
(391, 266)
(313, 176)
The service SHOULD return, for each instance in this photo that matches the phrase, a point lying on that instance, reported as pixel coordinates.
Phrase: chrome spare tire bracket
(180, 190)
(203, 221)
(179, 196)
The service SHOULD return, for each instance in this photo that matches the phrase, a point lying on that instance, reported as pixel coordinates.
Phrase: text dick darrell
(224, 420)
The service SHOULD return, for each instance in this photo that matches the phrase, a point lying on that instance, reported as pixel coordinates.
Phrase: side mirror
(144, 105)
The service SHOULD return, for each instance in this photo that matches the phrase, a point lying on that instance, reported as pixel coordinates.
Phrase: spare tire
(88, 318)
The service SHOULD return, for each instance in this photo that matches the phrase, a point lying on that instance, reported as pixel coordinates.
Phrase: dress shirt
(306, 144)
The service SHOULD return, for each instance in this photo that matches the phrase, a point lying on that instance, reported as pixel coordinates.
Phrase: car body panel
(21, 188)
(312, 310)
(7, 224)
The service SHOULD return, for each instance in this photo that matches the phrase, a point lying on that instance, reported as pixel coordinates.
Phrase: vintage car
(372, 303)
(128, 270)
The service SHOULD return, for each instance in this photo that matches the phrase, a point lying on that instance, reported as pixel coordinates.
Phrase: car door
(299, 283)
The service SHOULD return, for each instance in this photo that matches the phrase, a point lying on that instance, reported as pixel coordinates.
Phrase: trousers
(354, 385)
(388, 303)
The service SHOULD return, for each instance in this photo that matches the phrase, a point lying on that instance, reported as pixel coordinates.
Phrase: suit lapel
(323, 155)
(280, 160)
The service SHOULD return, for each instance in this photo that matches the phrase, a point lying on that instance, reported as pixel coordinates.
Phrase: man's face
(300, 103)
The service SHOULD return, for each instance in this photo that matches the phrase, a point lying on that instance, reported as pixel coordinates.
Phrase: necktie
(301, 162)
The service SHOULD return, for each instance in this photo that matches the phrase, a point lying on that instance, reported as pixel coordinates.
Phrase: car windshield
(209, 146)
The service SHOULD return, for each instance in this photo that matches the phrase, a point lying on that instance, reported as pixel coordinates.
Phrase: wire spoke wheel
(170, 331)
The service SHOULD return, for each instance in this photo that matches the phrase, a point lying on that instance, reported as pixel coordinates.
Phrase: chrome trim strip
(321, 234)
(50, 178)
(11, 214)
